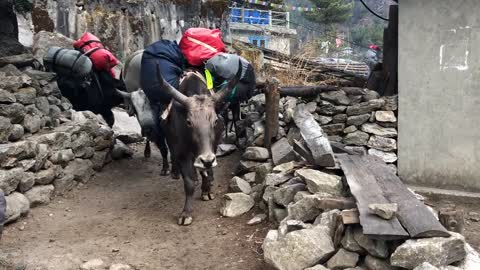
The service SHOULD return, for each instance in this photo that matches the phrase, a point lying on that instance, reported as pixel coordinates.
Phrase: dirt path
(127, 214)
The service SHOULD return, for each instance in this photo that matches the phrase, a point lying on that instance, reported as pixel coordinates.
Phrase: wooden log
(341, 203)
(366, 190)
(350, 216)
(314, 137)
(272, 107)
(305, 91)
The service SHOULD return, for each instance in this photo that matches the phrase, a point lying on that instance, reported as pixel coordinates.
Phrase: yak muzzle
(205, 161)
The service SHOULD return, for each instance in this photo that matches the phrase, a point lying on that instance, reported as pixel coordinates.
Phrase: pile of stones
(306, 201)
(355, 117)
(46, 148)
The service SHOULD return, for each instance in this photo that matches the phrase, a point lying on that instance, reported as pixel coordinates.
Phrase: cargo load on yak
(172, 62)
(91, 46)
(223, 67)
(200, 44)
(66, 62)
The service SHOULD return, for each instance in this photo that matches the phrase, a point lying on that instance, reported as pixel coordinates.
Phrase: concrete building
(439, 93)
(263, 28)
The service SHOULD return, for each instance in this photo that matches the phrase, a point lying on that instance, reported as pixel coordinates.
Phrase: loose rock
(27, 181)
(62, 157)
(356, 138)
(304, 209)
(237, 184)
(337, 97)
(39, 195)
(81, 169)
(318, 181)
(297, 250)
(426, 266)
(377, 248)
(64, 184)
(225, 149)
(289, 226)
(95, 264)
(17, 205)
(284, 195)
(16, 133)
(317, 267)
(32, 123)
(343, 259)
(282, 152)
(329, 220)
(119, 266)
(236, 204)
(381, 143)
(256, 154)
(350, 129)
(349, 243)
(373, 263)
(357, 120)
(384, 210)
(385, 116)
(257, 219)
(275, 179)
(375, 129)
(26, 96)
(121, 150)
(45, 177)
(365, 107)
(9, 179)
(7, 97)
(437, 251)
(388, 157)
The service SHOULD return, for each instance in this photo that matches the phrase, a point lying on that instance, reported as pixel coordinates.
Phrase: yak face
(202, 123)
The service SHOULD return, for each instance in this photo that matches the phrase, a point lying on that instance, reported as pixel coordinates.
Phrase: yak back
(168, 55)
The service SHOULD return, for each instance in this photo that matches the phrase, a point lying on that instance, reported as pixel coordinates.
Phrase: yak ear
(170, 90)
(227, 89)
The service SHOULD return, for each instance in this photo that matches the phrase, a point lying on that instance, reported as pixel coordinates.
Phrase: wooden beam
(272, 104)
(412, 213)
(316, 141)
(306, 91)
(366, 190)
(302, 150)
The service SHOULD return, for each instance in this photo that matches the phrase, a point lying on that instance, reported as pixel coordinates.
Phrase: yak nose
(208, 160)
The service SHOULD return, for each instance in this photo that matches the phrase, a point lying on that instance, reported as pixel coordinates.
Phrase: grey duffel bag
(67, 62)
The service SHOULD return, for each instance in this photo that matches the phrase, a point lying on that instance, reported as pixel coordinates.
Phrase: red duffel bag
(91, 46)
(200, 44)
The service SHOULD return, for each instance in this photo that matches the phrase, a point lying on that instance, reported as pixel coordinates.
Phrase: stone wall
(45, 147)
(356, 117)
(124, 26)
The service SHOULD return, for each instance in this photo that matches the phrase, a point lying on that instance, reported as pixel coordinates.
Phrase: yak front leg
(189, 178)
(207, 183)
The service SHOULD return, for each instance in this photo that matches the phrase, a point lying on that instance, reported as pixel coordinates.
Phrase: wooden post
(272, 104)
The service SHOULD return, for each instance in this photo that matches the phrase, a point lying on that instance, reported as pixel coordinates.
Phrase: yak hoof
(175, 175)
(165, 172)
(185, 220)
(207, 196)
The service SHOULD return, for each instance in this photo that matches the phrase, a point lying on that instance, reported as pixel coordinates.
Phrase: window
(259, 41)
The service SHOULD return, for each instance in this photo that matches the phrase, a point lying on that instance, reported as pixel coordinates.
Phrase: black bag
(66, 62)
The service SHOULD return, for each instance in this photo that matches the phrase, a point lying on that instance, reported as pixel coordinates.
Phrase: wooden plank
(305, 91)
(365, 189)
(272, 107)
(314, 137)
(412, 213)
(340, 148)
(350, 216)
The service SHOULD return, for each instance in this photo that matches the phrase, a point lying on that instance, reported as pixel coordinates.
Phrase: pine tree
(330, 11)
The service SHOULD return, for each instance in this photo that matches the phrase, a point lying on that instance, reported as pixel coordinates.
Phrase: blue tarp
(172, 62)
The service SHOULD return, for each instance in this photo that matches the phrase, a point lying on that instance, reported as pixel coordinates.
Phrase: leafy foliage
(330, 11)
(368, 34)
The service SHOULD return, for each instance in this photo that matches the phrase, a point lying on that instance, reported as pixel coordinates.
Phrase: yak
(193, 130)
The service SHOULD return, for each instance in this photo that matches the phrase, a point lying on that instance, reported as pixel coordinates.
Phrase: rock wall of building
(124, 25)
(46, 148)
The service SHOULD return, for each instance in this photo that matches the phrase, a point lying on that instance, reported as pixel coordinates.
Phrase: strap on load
(89, 42)
(232, 94)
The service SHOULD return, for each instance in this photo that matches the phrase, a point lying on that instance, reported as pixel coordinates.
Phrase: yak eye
(216, 122)
(189, 122)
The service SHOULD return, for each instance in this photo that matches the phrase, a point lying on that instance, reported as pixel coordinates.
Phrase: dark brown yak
(193, 131)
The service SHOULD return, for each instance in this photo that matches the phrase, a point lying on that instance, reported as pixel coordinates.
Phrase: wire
(373, 12)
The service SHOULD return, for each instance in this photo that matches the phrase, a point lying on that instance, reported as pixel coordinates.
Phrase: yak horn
(226, 90)
(123, 94)
(170, 90)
